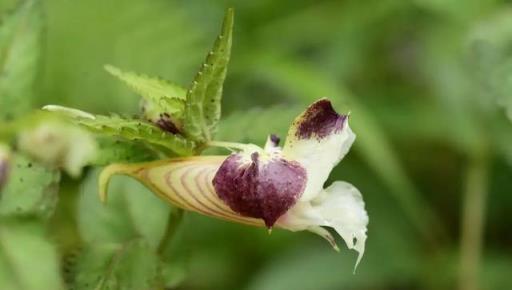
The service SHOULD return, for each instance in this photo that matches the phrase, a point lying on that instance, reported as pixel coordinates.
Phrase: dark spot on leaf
(166, 124)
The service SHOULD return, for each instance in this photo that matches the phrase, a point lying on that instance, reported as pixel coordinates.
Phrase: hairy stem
(472, 222)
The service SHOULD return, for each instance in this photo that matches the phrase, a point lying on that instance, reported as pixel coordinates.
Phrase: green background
(428, 84)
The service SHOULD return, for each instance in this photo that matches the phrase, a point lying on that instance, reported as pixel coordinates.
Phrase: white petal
(318, 139)
(341, 207)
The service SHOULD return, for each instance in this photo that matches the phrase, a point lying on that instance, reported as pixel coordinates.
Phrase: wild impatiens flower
(271, 186)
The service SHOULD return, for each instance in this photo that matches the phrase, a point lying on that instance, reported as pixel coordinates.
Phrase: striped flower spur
(273, 186)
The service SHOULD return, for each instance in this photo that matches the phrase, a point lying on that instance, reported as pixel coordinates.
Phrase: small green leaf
(28, 261)
(203, 105)
(138, 130)
(20, 43)
(130, 265)
(128, 129)
(161, 96)
(31, 189)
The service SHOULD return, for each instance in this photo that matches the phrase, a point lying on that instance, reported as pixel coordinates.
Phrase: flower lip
(260, 187)
(320, 120)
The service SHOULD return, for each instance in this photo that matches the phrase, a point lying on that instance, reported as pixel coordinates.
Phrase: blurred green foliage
(428, 85)
(31, 189)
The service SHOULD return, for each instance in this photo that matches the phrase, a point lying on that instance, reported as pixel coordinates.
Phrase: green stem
(173, 221)
(472, 222)
(223, 144)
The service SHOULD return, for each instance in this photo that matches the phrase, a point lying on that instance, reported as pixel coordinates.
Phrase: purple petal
(320, 120)
(259, 188)
(318, 139)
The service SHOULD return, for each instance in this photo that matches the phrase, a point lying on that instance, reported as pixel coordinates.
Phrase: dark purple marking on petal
(275, 139)
(319, 120)
(259, 189)
(165, 123)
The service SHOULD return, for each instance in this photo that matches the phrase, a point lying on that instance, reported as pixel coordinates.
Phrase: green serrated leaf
(160, 95)
(138, 130)
(20, 43)
(203, 104)
(128, 129)
(31, 189)
(28, 261)
(130, 265)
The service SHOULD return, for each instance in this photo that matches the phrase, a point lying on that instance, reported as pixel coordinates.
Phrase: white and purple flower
(271, 186)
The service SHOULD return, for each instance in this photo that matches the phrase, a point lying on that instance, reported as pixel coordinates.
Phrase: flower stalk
(173, 222)
(232, 145)
(473, 220)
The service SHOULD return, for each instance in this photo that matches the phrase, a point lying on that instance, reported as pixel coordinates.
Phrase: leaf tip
(227, 26)
(230, 12)
(75, 113)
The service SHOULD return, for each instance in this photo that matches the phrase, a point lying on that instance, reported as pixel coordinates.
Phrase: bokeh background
(428, 84)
